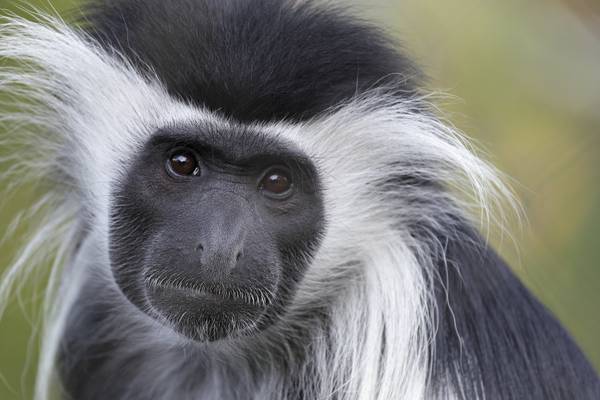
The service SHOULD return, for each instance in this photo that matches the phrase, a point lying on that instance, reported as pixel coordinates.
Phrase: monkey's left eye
(184, 163)
(276, 182)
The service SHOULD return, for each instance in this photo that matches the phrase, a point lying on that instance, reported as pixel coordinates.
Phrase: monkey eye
(183, 162)
(276, 182)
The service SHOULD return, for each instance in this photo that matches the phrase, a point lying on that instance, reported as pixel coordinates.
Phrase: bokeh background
(525, 83)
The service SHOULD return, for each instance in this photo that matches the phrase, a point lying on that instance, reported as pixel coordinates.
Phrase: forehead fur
(231, 141)
(255, 60)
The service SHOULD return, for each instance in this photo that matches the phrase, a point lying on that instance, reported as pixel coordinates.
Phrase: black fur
(494, 339)
(253, 60)
(495, 332)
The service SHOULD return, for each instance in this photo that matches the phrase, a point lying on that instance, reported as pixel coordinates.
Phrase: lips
(180, 289)
(210, 292)
(184, 294)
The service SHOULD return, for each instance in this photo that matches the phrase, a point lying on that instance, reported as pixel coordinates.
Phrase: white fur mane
(81, 112)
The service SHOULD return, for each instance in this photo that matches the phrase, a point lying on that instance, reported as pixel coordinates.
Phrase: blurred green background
(526, 81)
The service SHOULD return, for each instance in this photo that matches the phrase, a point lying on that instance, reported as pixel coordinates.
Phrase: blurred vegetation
(526, 76)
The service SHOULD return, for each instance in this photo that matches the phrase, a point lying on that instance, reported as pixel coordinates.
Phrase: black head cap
(254, 59)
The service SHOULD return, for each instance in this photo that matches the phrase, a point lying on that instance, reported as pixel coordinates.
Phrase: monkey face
(212, 229)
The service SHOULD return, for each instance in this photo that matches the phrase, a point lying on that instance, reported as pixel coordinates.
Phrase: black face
(211, 231)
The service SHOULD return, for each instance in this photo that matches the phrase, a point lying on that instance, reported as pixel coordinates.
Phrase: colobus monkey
(255, 200)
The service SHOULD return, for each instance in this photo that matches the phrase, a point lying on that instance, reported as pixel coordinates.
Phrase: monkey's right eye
(183, 163)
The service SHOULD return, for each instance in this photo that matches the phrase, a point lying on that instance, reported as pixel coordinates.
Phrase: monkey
(257, 200)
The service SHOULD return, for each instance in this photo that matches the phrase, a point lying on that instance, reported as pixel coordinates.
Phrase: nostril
(238, 256)
(199, 247)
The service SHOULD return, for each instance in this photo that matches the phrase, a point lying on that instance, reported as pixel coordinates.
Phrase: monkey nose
(220, 245)
(219, 257)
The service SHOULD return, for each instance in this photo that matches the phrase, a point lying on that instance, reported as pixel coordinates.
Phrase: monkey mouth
(206, 311)
(256, 297)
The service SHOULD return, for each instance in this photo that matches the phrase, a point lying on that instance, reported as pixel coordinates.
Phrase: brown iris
(183, 162)
(277, 182)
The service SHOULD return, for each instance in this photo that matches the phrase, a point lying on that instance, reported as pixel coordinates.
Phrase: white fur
(84, 113)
